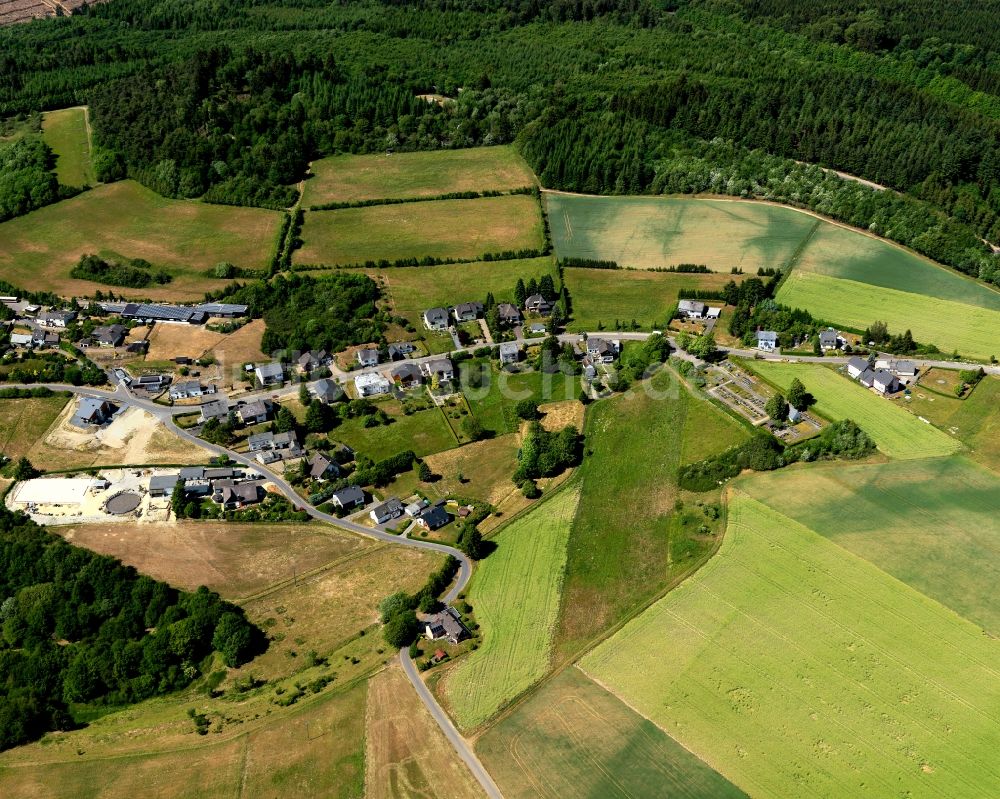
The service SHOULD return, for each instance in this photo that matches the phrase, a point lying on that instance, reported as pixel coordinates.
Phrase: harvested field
(413, 291)
(406, 754)
(574, 738)
(316, 749)
(933, 524)
(441, 229)
(515, 594)
(896, 433)
(619, 559)
(167, 341)
(67, 134)
(557, 415)
(775, 664)
(969, 329)
(345, 178)
(486, 467)
(602, 296)
(301, 614)
(650, 232)
(849, 255)
(184, 237)
(133, 437)
(23, 422)
(237, 560)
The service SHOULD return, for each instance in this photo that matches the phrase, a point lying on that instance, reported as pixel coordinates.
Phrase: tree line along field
(351, 178)
(515, 594)
(574, 738)
(629, 540)
(933, 524)
(970, 330)
(186, 238)
(461, 229)
(647, 232)
(794, 667)
(896, 432)
(65, 131)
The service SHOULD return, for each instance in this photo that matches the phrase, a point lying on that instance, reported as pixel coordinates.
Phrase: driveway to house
(451, 732)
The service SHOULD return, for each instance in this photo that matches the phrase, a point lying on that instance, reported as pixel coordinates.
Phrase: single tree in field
(777, 408)
(798, 397)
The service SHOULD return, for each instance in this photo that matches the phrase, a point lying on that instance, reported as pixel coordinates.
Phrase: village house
(43, 339)
(371, 385)
(441, 368)
(319, 467)
(407, 375)
(691, 309)
(152, 382)
(400, 349)
(884, 382)
(390, 509)
(510, 352)
(21, 340)
(214, 409)
(536, 303)
(56, 318)
(108, 336)
(92, 411)
(270, 374)
(468, 311)
(508, 314)
(830, 339)
(254, 412)
(367, 357)
(602, 350)
(767, 340)
(310, 361)
(190, 389)
(433, 518)
(232, 495)
(348, 497)
(856, 367)
(414, 508)
(436, 319)
(537, 329)
(447, 624)
(589, 370)
(907, 369)
(326, 391)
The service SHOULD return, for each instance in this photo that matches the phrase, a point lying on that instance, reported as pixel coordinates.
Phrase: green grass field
(441, 229)
(573, 738)
(413, 291)
(23, 423)
(65, 132)
(896, 433)
(628, 540)
(493, 403)
(344, 178)
(663, 231)
(515, 594)
(841, 253)
(949, 325)
(934, 524)
(424, 432)
(600, 296)
(186, 238)
(798, 669)
(974, 420)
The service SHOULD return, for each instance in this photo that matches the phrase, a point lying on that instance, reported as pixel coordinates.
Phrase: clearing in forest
(971, 330)
(796, 668)
(932, 523)
(649, 232)
(406, 754)
(349, 178)
(574, 738)
(126, 220)
(896, 432)
(465, 229)
(66, 133)
(515, 594)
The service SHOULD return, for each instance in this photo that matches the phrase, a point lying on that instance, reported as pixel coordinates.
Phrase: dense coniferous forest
(231, 100)
(80, 628)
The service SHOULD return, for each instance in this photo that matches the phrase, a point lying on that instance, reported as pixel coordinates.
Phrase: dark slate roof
(350, 495)
(434, 517)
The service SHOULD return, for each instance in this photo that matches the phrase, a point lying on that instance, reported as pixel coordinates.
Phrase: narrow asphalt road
(451, 733)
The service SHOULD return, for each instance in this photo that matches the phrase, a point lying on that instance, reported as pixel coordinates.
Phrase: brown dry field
(485, 465)
(322, 611)
(23, 422)
(237, 560)
(233, 349)
(558, 415)
(406, 754)
(313, 749)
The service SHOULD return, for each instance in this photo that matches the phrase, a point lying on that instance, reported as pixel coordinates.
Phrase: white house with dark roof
(468, 311)
(326, 391)
(270, 374)
(856, 367)
(602, 350)
(830, 339)
(348, 497)
(884, 382)
(367, 357)
(254, 412)
(441, 368)
(56, 318)
(536, 303)
(510, 352)
(508, 314)
(447, 624)
(691, 309)
(767, 340)
(390, 509)
(436, 319)
(407, 375)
